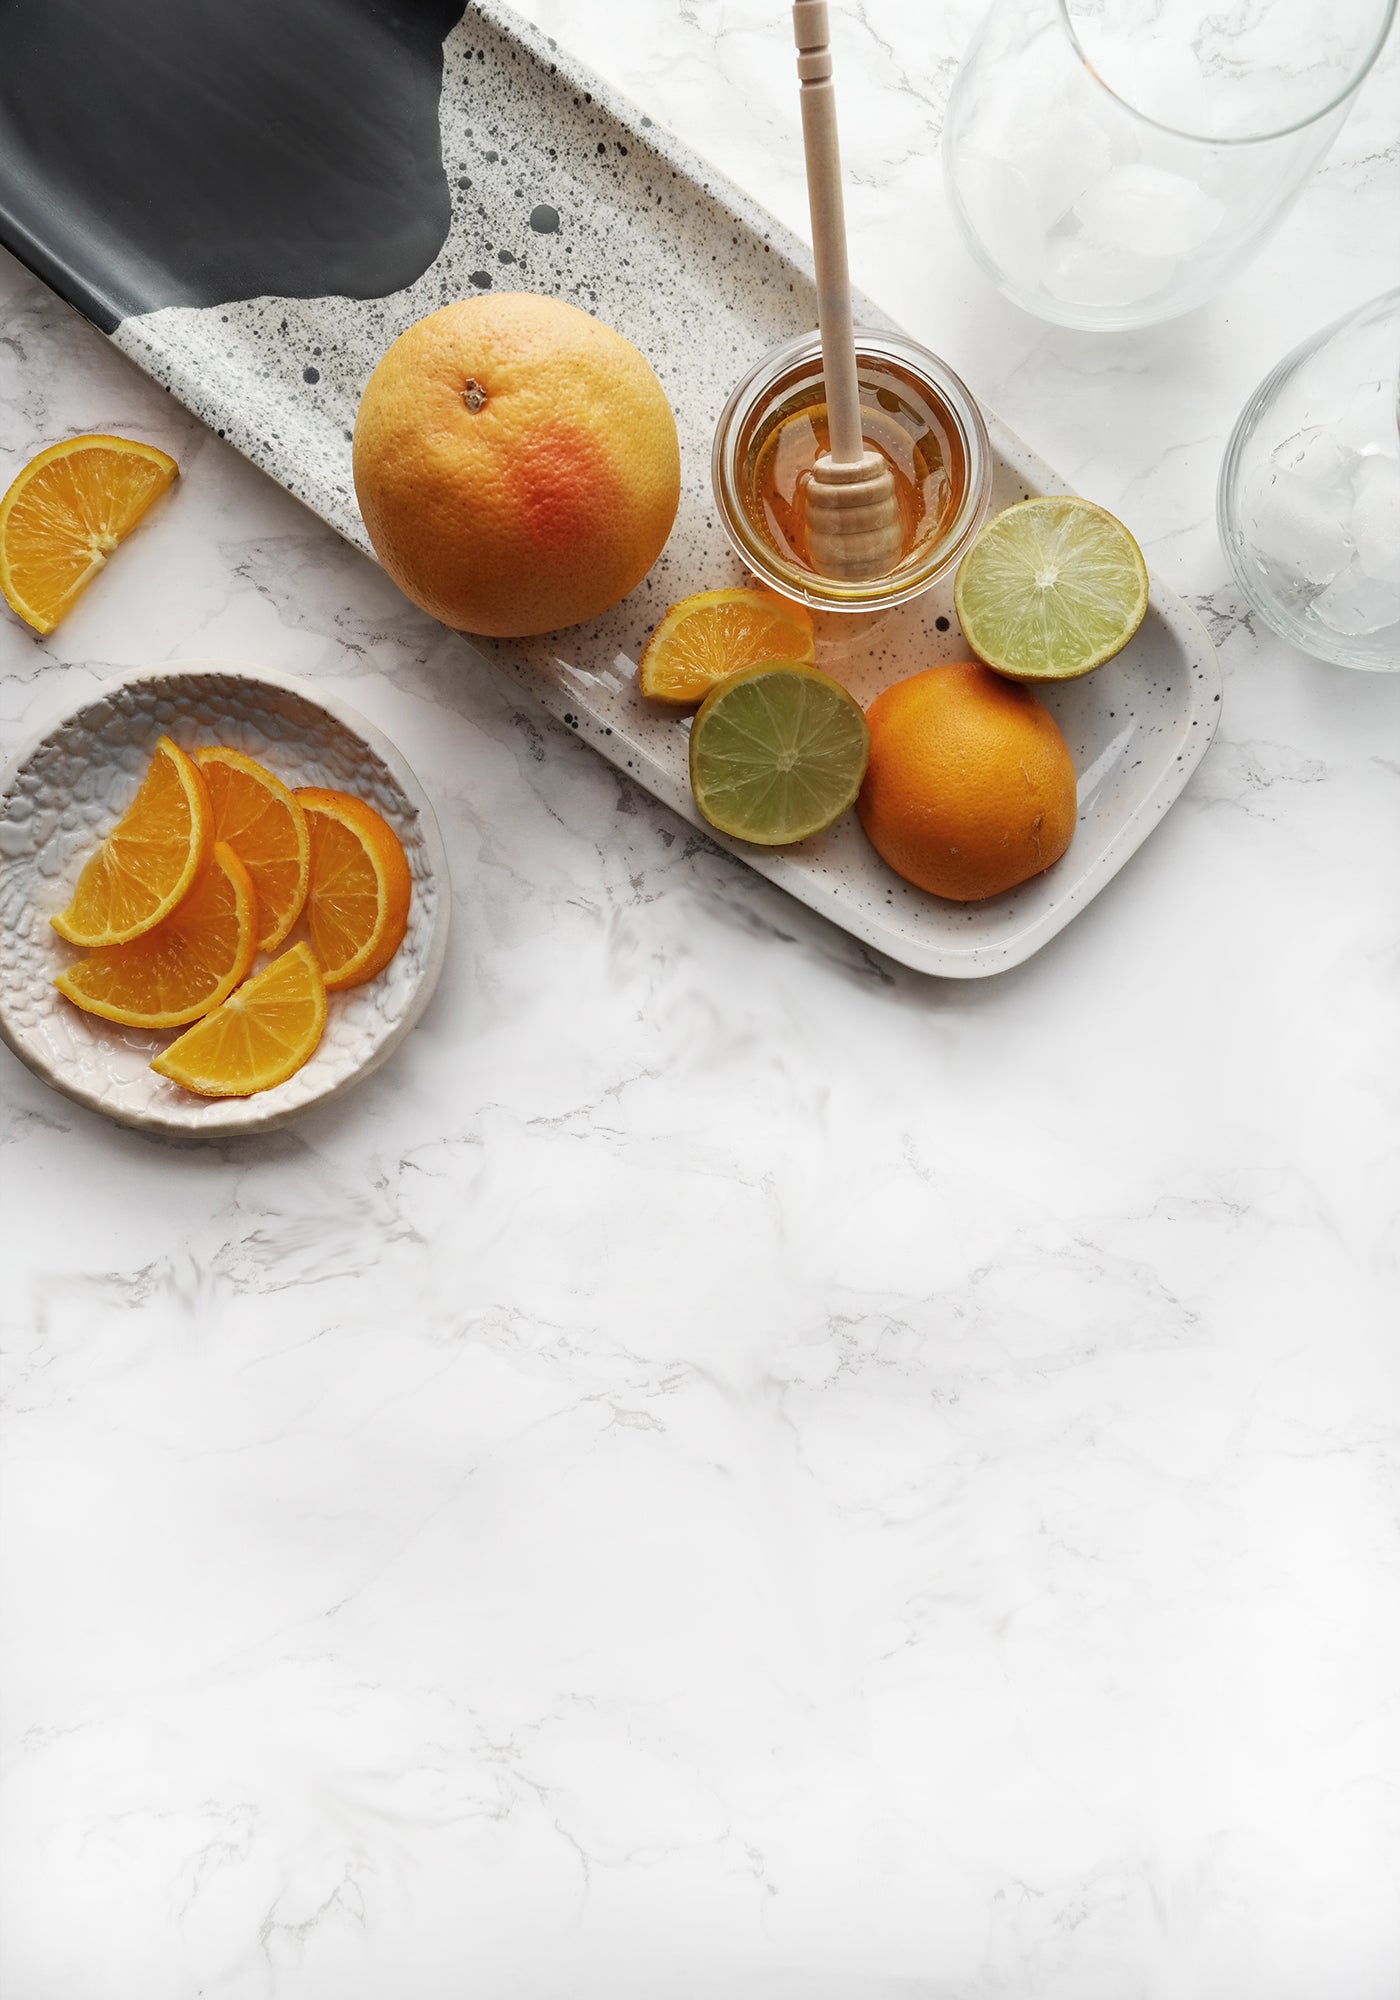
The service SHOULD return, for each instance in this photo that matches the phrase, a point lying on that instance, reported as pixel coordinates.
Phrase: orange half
(261, 1035)
(66, 512)
(148, 861)
(182, 968)
(261, 821)
(357, 904)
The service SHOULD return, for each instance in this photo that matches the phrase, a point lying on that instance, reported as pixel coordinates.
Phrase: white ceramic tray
(558, 186)
(63, 792)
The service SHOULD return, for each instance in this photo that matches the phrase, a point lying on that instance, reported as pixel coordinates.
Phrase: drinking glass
(1112, 163)
(1309, 500)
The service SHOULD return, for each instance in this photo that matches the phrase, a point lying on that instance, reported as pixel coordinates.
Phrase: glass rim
(1366, 63)
(830, 593)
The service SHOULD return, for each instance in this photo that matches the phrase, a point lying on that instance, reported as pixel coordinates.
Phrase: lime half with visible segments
(777, 752)
(1051, 589)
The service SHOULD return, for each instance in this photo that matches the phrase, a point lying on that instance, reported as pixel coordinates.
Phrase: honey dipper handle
(818, 95)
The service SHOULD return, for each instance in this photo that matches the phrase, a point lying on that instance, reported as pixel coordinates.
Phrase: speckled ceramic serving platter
(268, 317)
(63, 792)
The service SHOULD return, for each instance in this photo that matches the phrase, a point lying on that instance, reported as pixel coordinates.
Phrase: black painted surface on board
(188, 152)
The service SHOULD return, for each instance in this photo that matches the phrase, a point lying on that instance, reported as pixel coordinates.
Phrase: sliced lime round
(1050, 589)
(777, 752)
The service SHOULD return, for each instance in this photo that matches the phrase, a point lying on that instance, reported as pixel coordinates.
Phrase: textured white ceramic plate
(61, 794)
(559, 186)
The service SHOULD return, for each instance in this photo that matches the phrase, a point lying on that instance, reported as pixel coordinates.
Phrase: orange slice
(260, 1036)
(66, 512)
(183, 967)
(705, 638)
(148, 860)
(357, 905)
(266, 828)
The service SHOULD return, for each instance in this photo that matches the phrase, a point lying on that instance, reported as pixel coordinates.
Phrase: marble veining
(729, 1469)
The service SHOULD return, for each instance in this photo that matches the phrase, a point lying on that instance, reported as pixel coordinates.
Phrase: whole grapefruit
(970, 786)
(516, 464)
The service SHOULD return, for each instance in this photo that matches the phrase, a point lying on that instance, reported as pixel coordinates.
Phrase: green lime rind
(777, 753)
(1050, 589)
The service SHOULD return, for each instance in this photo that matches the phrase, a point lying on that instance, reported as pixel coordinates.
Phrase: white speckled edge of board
(559, 186)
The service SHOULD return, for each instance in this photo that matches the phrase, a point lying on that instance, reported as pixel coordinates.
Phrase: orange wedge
(182, 968)
(715, 633)
(266, 828)
(66, 512)
(357, 905)
(149, 859)
(260, 1036)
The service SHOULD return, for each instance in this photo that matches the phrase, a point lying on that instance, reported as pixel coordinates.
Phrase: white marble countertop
(729, 1470)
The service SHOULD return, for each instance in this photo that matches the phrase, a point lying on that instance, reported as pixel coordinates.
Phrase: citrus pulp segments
(185, 966)
(1051, 588)
(65, 512)
(262, 1034)
(777, 753)
(358, 899)
(715, 633)
(262, 822)
(148, 860)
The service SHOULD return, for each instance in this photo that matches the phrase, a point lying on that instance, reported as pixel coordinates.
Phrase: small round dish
(65, 789)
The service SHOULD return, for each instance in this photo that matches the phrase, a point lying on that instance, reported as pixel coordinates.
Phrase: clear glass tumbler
(1113, 163)
(1309, 500)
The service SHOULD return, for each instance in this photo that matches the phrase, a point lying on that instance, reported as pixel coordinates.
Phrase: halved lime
(777, 752)
(1050, 589)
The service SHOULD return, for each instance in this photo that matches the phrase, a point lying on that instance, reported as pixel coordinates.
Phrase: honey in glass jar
(915, 413)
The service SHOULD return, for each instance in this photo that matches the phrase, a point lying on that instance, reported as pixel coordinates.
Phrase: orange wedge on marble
(148, 861)
(66, 512)
(357, 904)
(261, 1035)
(185, 966)
(266, 828)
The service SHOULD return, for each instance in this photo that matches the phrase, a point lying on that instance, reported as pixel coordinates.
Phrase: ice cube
(1066, 151)
(1293, 527)
(1375, 517)
(1368, 418)
(1083, 272)
(1355, 604)
(1317, 456)
(1144, 209)
(1050, 138)
(998, 203)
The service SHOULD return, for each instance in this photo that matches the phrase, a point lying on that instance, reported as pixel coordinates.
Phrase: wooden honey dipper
(853, 528)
